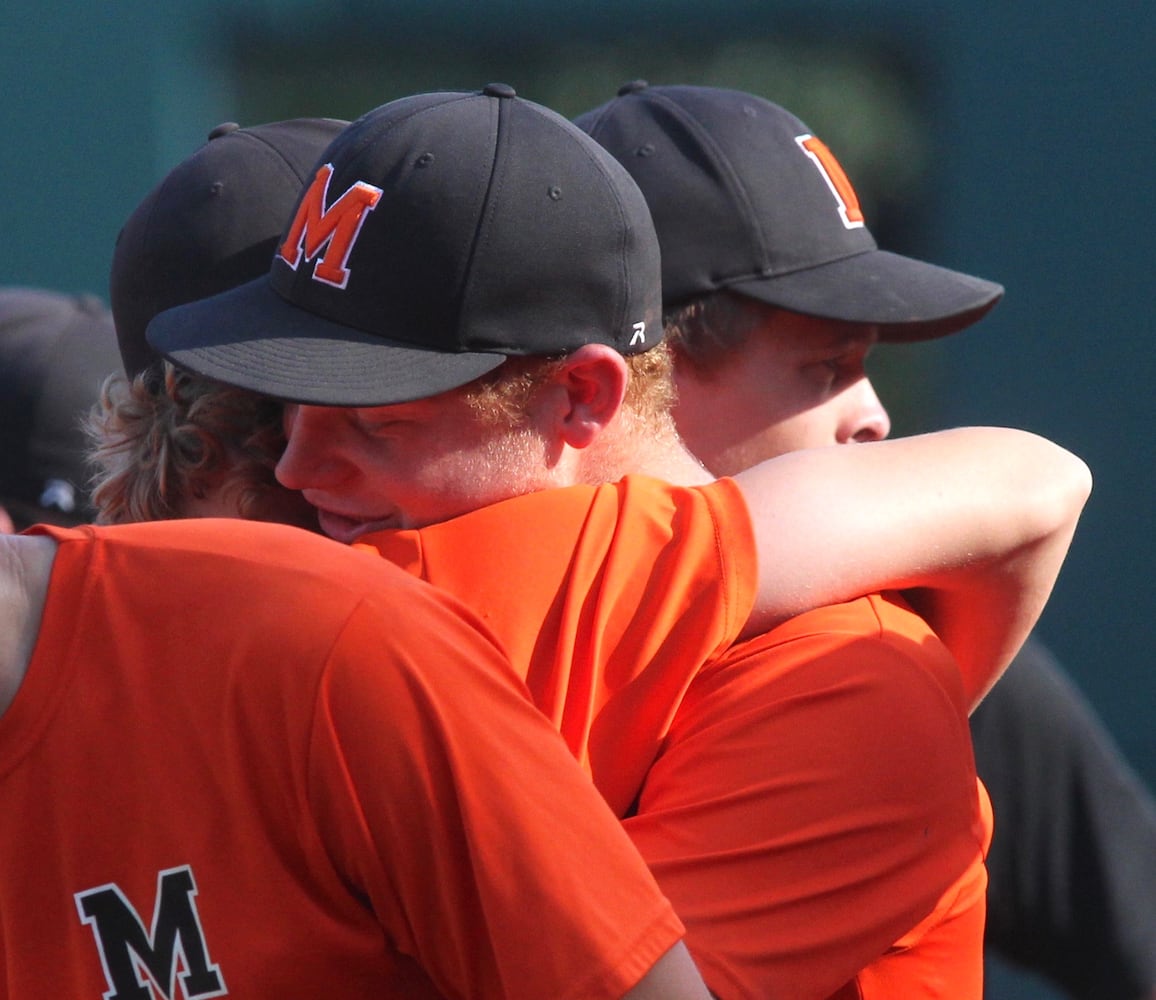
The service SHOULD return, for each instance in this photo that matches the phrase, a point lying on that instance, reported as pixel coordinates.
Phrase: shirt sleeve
(447, 800)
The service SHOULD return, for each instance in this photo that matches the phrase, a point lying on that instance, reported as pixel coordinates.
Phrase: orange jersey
(608, 600)
(808, 799)
(814, 814)
(246, 761)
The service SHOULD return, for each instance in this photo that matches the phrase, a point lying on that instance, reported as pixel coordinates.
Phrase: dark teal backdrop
(1019, 145)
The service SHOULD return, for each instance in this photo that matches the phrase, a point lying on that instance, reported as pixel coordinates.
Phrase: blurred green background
(1015, 141)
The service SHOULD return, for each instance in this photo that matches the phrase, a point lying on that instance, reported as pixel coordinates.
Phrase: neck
(641, 448)
(25, 566)
(672, 462)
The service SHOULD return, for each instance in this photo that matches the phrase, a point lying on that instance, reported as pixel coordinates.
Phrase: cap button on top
(633, 87)
(223, 129)
(499, 90)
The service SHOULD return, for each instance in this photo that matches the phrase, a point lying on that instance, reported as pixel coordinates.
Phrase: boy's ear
(593, 379)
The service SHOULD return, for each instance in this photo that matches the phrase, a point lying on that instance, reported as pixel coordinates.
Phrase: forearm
(976, 521)
(985, 615)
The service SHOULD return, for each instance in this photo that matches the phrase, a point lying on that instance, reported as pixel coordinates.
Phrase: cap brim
(907, 299)
(250, 337)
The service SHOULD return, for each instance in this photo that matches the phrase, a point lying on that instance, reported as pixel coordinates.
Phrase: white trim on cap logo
(639, 335)
(848, 201)
(333, 230)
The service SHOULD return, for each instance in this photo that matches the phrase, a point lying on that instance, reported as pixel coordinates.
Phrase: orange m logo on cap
(845, 196)
(333, 230)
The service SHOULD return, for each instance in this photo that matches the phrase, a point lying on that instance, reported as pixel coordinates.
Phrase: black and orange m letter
(845, 197)
(330, 232)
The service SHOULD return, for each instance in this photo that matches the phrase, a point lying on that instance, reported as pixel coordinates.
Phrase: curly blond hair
(164, 437)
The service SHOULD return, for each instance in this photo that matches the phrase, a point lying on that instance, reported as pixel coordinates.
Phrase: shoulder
(225, 572)
(872, 663)
(880, 615)
(648, 529)
(253, 548)
(571, 512)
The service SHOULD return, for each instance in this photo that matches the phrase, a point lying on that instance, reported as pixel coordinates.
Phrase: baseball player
(54, 351)
(221, 446)
(774, 295)
(286, 770)
(611, 654)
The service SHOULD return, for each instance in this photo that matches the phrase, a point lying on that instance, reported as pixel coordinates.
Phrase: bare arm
(972, 523)
(673, 977)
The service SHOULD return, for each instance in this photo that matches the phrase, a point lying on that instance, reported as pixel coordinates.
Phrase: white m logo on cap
(334, 229)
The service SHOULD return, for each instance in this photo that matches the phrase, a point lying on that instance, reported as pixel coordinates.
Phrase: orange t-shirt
(248, 759)
(808, 799)
(815, 815)
(607, 599)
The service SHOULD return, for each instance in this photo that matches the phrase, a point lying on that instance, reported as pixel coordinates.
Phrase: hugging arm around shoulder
(973, 524)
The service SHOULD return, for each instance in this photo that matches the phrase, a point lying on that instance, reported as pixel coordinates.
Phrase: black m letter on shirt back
(175, 941)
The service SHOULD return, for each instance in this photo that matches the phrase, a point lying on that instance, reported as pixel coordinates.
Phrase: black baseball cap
(55, 351)
(212, 223)
(747, 199)
(440, 234)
